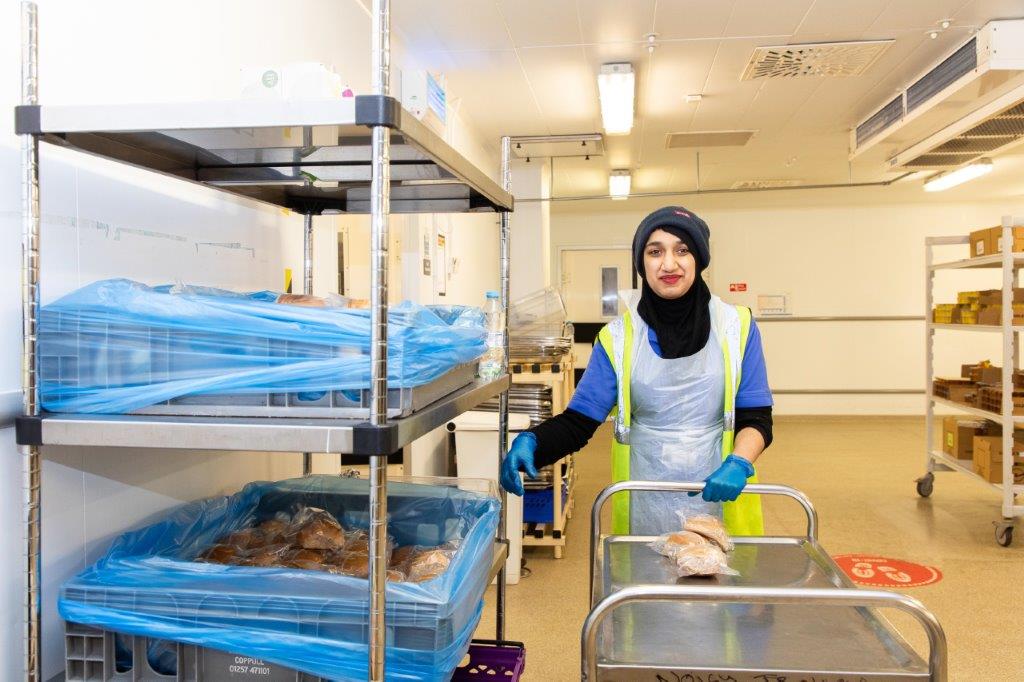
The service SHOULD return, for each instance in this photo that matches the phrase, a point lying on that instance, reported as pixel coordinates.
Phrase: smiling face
(669, 267)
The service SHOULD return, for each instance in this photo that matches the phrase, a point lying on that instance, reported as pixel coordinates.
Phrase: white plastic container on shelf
(476, 456)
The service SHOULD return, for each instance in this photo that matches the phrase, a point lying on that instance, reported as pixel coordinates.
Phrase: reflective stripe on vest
(732, 326)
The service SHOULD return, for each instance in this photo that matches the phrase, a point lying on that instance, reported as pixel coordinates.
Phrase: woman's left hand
(728, 481)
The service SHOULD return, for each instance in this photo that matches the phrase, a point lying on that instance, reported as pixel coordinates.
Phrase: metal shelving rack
(935, 460)
(365, 155)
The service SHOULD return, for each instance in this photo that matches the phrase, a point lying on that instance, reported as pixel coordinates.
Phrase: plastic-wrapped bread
(710, 527)
(304, 300)
(671, 543)
(317, 529)
(428, 565)
(702, 560)
(221, 554)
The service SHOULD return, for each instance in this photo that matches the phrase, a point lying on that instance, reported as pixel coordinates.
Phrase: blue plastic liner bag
(150, 584)
(116, 346)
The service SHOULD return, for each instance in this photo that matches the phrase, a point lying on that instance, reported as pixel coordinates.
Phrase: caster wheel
(1004, 535)
(925, 485)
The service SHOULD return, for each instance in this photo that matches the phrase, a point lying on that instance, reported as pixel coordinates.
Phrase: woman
(686, 377)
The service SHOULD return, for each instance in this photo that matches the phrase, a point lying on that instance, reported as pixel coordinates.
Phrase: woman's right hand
(519, 458)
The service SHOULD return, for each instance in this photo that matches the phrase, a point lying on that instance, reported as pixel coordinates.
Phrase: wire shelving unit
(368, 156)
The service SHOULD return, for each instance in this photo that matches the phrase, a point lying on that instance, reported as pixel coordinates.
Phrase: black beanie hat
(680, 218)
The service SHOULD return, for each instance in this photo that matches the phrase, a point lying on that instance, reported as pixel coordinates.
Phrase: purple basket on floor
(491, 660)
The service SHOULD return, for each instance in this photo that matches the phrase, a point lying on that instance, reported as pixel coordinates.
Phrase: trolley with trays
(790, 614)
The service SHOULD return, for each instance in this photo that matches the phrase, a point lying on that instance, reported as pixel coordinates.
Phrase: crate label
(877, 571)
(219, 665)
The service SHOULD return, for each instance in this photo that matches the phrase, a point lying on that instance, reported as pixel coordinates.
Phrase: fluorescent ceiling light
(618, 184)
(959, 176)
(616, 89)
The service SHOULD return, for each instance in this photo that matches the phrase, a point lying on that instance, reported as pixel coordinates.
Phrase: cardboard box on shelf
(988, 458)
(993, 315)
(991, 398)
(980, 243)
(995, 296)
(978, 372)
(943, 313)
(968, 297)
(958, 435)
(957, 390)
(994, 242)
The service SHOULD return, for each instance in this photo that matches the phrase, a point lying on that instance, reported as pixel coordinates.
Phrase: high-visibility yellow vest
(732, 326)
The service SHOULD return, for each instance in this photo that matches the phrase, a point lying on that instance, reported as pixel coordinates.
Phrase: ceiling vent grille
(882, 119)
(814, 59)
(712, 138)
(988, 137)
(765, 184)
(955, 66)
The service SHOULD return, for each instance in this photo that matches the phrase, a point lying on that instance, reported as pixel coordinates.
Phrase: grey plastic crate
(134, 354)
(90, 657)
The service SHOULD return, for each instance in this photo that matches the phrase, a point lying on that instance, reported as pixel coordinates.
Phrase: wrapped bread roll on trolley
(699, 548)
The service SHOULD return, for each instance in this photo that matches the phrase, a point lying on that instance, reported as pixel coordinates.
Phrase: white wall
(102, 220)
(530, 229)
(842, 253)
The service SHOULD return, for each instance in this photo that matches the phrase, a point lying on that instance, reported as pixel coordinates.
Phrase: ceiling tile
(541, 22)
(838, 20)
(688, 19)
(566, 86)
(675, 70)
(451, 25)
(919, 15)
(759, 18)
(980, 12)
(494, 111)
(616, 21)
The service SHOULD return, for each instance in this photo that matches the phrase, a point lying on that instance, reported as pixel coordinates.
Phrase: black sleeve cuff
(562, 435)
(759, 418)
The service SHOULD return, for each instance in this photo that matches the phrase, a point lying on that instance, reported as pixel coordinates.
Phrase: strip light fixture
(959, 176)
(616, 87)
(619, 183)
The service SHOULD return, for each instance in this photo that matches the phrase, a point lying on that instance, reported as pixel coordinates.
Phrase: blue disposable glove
(728, 480)
(519, 458)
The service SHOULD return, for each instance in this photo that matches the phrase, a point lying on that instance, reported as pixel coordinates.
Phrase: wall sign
(877, 571)
(738, 286)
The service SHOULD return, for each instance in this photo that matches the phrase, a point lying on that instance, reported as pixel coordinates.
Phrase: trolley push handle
(764, 595)
(680, 487)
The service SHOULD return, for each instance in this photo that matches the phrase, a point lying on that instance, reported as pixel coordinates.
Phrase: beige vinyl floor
(860, 473)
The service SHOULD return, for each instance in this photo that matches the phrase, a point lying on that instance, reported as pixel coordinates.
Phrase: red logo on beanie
(683, 213)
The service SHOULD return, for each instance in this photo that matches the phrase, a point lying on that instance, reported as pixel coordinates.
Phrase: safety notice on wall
(737, 286)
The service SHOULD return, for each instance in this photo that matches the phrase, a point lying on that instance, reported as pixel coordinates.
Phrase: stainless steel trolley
(791, 614)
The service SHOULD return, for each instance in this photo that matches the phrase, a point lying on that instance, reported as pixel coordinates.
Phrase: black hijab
(682, 325)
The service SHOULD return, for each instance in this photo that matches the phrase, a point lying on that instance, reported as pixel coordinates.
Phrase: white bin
(476, 456)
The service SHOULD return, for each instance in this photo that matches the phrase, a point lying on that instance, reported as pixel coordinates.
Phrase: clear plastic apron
(675, 432)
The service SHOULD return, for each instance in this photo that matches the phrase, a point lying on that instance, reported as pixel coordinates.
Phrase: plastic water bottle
(492, 361)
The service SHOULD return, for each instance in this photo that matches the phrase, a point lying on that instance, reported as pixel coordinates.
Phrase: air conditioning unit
(963, 107)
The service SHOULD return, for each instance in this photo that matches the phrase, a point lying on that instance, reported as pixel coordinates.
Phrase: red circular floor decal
(878, 571)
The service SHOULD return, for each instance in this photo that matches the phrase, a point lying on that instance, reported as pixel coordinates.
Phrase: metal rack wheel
(1004, 533)
(926, 484)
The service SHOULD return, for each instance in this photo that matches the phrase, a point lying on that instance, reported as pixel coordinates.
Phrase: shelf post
(929, 354)
(1008, 365)
(503, 269)
(30, 461)
(307, 283)
(380, 209)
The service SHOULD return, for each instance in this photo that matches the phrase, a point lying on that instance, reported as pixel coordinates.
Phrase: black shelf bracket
(378, 110)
